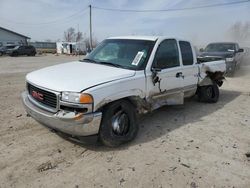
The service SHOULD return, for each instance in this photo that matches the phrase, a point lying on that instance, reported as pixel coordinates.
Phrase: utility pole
(90, 28)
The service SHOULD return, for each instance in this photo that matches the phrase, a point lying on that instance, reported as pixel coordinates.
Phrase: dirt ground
(193, 145)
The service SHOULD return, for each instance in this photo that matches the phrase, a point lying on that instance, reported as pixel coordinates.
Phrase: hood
(217, 54)
(76, 76)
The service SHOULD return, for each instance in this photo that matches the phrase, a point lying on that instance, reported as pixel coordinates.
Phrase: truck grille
(44, 97)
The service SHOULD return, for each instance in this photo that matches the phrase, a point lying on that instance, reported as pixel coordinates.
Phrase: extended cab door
(166, 75)
(189, 68)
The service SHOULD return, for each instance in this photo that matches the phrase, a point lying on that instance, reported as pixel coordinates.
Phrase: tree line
(70, 35)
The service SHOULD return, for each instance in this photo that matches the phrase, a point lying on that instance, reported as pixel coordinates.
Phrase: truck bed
(213, 66)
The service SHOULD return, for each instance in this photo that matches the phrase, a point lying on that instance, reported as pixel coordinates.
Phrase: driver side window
(167, 55)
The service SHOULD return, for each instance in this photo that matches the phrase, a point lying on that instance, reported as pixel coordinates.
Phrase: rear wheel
(209, 94)
(32, 54)
(119, 124)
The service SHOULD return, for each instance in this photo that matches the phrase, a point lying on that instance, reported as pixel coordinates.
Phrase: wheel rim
(120, 123)
(210, 92)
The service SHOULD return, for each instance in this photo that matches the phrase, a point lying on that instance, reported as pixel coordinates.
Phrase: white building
(70, 47)
(8, 37)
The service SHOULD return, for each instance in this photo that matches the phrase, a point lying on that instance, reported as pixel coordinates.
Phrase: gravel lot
(194, 145)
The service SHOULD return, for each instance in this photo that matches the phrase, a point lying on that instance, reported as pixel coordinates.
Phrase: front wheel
(119, 124)
(32, 54)
(209, 94)
(14, 54)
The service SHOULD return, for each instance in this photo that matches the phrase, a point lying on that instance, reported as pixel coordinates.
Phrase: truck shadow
(166, 119)
(169, 118)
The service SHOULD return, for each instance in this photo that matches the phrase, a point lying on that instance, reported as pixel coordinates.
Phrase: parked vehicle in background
(123, 76)
(44, 47)
(3, 49)
(229, 51)
(22, 50)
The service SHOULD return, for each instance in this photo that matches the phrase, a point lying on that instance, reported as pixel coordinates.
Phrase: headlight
(229, 59)
(73, 97)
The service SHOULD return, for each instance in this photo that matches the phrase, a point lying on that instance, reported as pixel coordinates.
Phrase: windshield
(123, 53)
(220, 47)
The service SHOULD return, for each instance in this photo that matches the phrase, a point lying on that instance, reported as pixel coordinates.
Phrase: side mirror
(241, 50)
(155, 78)
(155, 70)
(201, 50)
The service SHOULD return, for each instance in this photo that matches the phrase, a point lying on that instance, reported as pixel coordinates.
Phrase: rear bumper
(66, 122)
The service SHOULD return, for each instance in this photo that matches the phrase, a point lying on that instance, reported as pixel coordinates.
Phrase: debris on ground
(248, 155)
(187, 166)
(122, 181)
(20, 115)
(193, 185)
(132, 168)
(173, 168)
(109, 159)
(46, 166)
(225, 163)
(82, 153)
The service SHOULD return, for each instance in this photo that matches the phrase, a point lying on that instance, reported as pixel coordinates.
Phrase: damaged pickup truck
(102, 94)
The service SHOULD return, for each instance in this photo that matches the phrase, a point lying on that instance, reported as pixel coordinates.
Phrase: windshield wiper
(105, 63)
(89, 60)
(112, 64)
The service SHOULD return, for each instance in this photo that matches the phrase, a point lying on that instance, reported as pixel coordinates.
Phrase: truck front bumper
(67, 122)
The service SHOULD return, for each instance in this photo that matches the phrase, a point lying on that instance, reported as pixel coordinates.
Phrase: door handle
(178, 74)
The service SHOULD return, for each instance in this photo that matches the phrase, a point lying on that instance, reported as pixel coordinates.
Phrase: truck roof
(141, 37)
(152, 38)
(223, 43)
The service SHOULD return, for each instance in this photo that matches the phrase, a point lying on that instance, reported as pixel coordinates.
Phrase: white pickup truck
(124, 76)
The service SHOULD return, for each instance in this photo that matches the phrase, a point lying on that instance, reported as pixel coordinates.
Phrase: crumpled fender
(205, 82)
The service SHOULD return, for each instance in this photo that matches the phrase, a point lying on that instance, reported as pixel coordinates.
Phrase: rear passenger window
(186, 53)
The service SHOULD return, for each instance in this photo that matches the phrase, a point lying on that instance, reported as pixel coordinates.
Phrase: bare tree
(69, 35)
(87, 41)
(240, 31)
(78, 36)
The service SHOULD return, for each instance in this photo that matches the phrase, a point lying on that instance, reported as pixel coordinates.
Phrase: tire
(209, 94)
(119, 124)
(1, 53)
(31, 54)
(14, 54)
(230, 74)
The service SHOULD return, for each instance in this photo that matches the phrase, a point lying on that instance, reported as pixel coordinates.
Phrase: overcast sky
(48, 19)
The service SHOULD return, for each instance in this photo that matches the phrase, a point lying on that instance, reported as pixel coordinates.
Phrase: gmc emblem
(37, 95)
